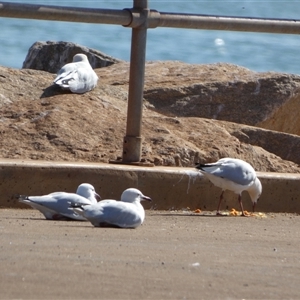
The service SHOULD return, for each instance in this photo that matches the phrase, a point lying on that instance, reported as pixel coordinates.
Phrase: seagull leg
(241, 204)
(218, 209)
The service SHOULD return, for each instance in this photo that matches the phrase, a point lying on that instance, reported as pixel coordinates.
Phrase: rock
(51, 56)
(286, 117)
(282, 144)
(39, 121)
(224, 92)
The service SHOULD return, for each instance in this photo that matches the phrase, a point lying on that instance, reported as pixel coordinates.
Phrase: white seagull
(77, 76)
(56, 206)
(235, 175)
(127, 213)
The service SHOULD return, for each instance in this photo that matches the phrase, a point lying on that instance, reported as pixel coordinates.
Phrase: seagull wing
(57, 203)
(113, 213)
(237, 171)
(65, 72)
(78, 77)
(82, 81)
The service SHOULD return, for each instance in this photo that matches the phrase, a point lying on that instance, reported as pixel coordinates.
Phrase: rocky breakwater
(192, 113)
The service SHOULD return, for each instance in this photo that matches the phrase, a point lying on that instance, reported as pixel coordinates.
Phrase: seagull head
(79, 57)
(132, 195)
(86, 190)
(255, 191)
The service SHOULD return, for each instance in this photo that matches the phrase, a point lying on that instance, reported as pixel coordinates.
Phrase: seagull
(56, 206)
(77, 76)
(235, 175)
(127, 213)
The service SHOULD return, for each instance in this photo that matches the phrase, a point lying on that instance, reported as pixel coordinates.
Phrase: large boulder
(220, 92)
(286, 117)
(225, 92)
(40, 121)
(51, 56)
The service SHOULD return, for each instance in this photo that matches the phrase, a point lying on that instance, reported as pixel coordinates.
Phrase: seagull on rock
(77, 76)
(235, 175)
(127, 213)
(56, 206)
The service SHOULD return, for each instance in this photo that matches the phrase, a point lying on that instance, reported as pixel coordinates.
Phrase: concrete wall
(170, 188)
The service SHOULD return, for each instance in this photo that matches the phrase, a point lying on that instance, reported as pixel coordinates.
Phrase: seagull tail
(201, 166)
(63, 82)
(22, 198)
(78, 210)
(77, 207)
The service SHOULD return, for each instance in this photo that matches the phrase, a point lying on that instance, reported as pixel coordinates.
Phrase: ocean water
(256, 51)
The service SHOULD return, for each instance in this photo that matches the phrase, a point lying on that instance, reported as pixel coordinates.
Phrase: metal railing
(140, 18)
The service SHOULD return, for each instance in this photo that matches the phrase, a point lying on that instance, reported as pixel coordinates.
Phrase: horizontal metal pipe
(155, 19)
(69, 14)
(227, 23)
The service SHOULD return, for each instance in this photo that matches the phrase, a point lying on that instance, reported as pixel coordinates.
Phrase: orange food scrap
(247, 213)
(234, 212)
(197, 211)
(261, 215)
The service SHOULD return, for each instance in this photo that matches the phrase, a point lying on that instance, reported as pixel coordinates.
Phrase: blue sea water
(256, 51)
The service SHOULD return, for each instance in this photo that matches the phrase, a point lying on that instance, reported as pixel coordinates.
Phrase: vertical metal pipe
(132, 143)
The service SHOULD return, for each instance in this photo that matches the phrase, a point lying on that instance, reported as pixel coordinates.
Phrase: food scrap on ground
(234, 212)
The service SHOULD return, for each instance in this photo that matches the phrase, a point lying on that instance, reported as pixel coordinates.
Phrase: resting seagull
(127, 213)
(77, 76)
(56, 206)
(235, 175)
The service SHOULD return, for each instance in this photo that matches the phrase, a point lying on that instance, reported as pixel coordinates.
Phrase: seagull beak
(97, 196)
(254, 203)
(146, 198)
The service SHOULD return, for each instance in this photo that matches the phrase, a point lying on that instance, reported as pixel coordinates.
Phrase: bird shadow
(88, 225)
(191, 215)
(53, 90)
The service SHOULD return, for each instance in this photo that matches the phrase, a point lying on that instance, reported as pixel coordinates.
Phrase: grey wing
(112, 212)
(64, 72)
(239, 172)
(84, 80)
(59, 202)
(48, 213)
(66, 81)
(79, 83)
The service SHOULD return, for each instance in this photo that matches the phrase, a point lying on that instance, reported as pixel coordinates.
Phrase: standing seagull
(56, 206)
(127, 213)
(77, 76)
(235, 175)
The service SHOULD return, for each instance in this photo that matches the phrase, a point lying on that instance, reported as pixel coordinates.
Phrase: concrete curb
(169, 187)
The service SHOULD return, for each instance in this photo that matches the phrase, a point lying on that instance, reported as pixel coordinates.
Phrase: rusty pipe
(69, 14)
(132, 142)
(134, 18)
(207, 22)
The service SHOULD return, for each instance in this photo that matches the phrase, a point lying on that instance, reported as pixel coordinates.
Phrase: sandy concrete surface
(173, 255)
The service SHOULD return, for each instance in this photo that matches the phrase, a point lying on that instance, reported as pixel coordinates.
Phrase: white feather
(77, 76)
(127, 213)
(56, 205)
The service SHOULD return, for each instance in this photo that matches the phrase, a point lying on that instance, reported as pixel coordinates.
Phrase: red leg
(241, 205)
(218, 209)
